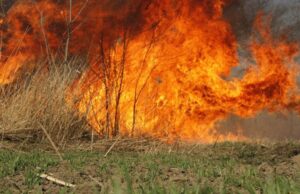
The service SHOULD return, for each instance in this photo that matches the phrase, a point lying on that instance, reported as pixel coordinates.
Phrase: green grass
(12, 163)
(224, 168)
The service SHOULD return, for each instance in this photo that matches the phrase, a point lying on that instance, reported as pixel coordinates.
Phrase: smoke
(285, 23)
(265, 125)
(285, 17)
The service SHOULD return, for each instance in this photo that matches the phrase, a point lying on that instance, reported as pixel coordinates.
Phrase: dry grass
(38, 100)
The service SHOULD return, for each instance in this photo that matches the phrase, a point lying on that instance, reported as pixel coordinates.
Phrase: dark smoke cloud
(241, 14)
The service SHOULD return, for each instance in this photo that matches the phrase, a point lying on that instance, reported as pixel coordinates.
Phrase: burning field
(165, 69)
(192, 71)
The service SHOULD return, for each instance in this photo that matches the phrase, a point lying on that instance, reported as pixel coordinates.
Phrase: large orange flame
(160, 68)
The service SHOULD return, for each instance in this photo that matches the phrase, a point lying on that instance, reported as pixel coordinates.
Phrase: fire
(159, 68)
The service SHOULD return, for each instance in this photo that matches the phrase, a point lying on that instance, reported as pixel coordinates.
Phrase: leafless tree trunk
(112, 72)
(120, 79)
(104, 68)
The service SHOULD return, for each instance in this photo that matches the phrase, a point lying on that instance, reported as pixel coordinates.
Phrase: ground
(142, 166)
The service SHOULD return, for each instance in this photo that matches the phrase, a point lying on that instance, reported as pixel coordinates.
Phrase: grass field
(140, 167)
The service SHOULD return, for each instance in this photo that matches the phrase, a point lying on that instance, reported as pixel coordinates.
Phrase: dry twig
(112, 146)
(57, 181)
(52, 143)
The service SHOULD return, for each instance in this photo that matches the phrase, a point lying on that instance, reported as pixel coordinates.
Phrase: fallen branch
(193, 148)
(57, 181)
(112, 146)
(52, 143)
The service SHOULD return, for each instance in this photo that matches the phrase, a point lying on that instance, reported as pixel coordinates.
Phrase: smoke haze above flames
(285, 15)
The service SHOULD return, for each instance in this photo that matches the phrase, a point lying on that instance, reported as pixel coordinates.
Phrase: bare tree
(104, 67)
(138, 91)
(120, 79)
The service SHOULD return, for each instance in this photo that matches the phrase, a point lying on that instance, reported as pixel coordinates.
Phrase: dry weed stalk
(39, 99)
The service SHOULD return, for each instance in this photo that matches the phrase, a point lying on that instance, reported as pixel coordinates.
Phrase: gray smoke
(285, 22)
(265, 125)
(285, 16)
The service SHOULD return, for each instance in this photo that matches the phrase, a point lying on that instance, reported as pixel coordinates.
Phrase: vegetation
(220, 168)
(35, 105)
(42, 133)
